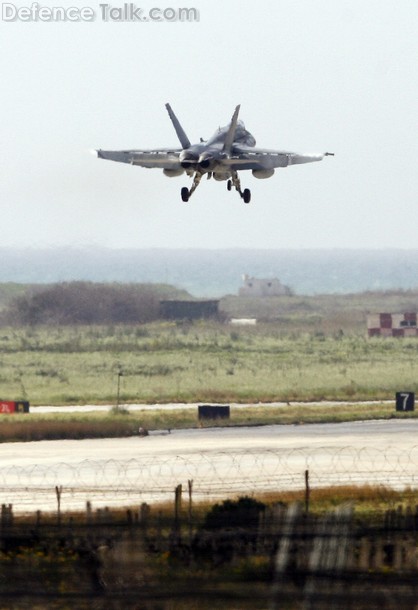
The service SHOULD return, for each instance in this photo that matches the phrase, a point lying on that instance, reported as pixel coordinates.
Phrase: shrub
(87, 303)
(243, 512)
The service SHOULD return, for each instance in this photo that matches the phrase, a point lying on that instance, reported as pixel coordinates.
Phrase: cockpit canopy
(242, 136)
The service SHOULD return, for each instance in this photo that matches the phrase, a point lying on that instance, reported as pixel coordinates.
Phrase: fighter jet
(231, 149)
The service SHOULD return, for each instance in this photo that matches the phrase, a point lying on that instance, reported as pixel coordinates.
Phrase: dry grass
(32, 427)
(368, 500)
(35, 429)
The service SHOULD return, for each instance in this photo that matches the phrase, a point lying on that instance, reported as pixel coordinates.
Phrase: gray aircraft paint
(230, 149)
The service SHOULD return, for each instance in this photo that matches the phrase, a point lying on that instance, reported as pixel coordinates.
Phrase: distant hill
(213, 273)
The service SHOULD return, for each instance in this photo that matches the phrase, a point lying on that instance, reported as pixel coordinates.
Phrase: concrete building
(392, 325)
(257, 287)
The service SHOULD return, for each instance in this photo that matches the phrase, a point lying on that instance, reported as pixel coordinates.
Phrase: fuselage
(206, 156)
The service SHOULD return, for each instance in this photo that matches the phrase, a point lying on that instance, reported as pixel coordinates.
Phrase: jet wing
(262, 158)
(162, 158)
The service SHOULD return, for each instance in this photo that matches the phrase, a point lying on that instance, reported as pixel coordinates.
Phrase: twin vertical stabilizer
(184, 140)
(181, 134)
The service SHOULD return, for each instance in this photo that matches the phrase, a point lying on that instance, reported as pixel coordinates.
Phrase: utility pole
(120, 374)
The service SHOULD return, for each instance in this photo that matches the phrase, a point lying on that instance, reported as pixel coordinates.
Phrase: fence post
(58, 491)
(6, 515)
(190, 488)
(307, 492)
(144, 513)
(159, 531)
(177, 506)
(88, 513)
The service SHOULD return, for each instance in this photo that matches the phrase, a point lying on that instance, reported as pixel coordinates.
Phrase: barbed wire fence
(215, 474)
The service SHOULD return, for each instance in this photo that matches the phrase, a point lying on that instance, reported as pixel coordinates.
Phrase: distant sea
(214, 273)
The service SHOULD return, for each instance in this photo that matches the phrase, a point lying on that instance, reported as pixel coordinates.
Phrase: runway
(220, 461)
(180, 405)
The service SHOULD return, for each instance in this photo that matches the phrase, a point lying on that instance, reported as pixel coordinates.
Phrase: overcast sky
(311, 76)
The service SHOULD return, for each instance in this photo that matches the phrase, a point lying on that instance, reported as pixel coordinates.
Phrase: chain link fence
(214, 474)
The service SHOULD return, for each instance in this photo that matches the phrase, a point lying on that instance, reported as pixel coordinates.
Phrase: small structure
(189, 310)
(258, 287)
(214, 411)
(405, 401)
(13, 406)
(243, 321)
(392, 325)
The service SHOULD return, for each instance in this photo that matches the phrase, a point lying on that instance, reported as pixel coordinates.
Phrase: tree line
(88, 303)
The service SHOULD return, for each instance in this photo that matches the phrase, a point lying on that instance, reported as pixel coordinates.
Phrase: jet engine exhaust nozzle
(206, 161)
(187, 160)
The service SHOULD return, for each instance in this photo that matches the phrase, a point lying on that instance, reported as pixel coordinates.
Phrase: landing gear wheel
(246, 195)
(185, 194)
(229, 185)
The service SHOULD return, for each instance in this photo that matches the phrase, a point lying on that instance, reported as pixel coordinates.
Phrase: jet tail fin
(229, 140)
(184, 140)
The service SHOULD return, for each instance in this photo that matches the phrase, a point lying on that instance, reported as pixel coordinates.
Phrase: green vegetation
(302, 348)
(84, 303)
(206, 555)
(10, 291)
(214, 362)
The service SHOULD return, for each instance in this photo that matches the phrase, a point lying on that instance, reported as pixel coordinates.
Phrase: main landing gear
(234, 181)
(185, 192)
(245, 194)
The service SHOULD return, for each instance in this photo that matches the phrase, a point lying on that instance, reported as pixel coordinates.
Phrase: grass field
(211, 362)
(302, 349)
